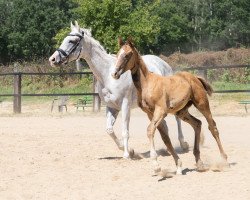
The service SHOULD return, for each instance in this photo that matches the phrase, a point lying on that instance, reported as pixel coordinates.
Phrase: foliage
(31, 29)
(29, 25)
(109, 19)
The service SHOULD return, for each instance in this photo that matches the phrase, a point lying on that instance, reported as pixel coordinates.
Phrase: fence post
(96, 99)
(203, 73)
(17, 101)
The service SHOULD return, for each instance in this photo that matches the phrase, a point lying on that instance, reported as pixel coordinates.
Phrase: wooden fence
(17, 89)
(202, 71)
(17, 85)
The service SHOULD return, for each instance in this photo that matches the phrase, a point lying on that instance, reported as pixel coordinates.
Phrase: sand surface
(71, 157)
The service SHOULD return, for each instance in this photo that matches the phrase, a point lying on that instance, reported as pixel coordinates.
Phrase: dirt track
(71, 157)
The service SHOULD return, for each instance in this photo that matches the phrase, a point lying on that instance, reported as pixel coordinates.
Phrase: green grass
(83, 85)
(50, 86)
(219, 85)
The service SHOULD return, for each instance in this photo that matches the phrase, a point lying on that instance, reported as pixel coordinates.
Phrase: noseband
(65, 54)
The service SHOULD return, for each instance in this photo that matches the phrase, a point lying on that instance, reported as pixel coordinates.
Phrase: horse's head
(126, 58)
(71, 47)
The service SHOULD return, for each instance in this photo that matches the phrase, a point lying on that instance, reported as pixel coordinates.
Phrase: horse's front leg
(184, 145)
(111, 114)
(126, 107)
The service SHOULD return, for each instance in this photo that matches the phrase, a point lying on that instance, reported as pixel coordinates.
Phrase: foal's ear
(120, 42)
(130, 41)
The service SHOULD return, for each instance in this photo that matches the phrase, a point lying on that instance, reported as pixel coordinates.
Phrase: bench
(83, 103)
(245, 102)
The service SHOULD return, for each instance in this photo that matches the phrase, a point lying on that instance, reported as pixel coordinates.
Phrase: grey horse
(119, 95)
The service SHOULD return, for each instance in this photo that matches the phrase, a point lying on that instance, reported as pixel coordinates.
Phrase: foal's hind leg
(163, 129)
(196, 124)
(205, 110)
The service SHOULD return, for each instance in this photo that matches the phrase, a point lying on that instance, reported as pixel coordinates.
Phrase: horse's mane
(88, 33)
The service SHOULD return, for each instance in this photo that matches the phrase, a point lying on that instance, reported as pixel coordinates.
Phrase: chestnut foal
(159, 96)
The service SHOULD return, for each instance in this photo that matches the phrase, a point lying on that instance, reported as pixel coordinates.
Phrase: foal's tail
(206, 85)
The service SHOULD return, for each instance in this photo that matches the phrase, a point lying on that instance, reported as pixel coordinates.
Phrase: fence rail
(215, 67)
(17, 105)
(96, 103)
(202, 71)
(47, 73)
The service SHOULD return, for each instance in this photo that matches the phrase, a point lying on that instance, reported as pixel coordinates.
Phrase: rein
(65, 54)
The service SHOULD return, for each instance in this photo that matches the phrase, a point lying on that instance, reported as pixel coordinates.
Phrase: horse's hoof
(120, 145)
(121, 148)
(184, 146)
(179, 171)
(126, 155)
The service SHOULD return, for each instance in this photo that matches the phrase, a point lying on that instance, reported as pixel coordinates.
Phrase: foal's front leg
(155, 119)
(163, 129)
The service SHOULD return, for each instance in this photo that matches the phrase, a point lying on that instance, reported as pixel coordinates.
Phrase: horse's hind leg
(184, 145)
(196, 124)
(205, 110)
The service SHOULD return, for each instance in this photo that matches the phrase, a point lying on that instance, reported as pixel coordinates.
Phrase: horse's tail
(206, 85)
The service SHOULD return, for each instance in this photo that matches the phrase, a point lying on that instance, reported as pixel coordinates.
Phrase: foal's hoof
(157, 170)
(184, 146)
(201, 167)
(131, 153)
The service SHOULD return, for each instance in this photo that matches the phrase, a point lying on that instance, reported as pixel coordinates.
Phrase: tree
(109, 19)
(174, 25)
(4, 12)
(30, 26)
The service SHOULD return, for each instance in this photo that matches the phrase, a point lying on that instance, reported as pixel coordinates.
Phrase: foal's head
(126, 58)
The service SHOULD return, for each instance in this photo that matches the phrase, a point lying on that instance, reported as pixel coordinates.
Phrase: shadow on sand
(111, 158)
(139, 156)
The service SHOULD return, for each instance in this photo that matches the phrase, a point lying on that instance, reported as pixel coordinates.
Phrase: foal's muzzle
(115, 75)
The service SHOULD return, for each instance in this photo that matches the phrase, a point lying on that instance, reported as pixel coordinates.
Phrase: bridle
(73, 48)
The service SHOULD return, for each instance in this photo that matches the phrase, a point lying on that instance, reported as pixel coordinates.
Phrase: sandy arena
(70, 157)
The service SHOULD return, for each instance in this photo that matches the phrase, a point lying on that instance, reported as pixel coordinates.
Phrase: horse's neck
(98, 60)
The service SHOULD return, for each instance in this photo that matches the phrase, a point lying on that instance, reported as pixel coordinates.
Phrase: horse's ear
(120, 42)
(130, 41)
(71, 25)
(77, 25)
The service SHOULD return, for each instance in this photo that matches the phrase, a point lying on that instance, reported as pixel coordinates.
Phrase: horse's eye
(72, 41)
